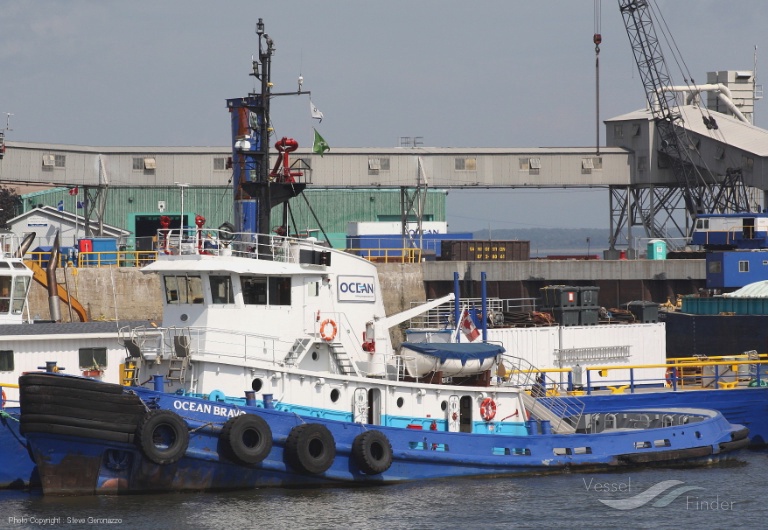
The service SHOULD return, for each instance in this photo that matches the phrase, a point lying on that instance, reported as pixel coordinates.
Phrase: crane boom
(699, 194)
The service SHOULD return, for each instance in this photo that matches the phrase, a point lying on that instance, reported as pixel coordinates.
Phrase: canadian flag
(73, 191)
(468, 326)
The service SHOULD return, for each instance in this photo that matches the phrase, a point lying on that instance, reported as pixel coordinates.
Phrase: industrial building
(131, 187)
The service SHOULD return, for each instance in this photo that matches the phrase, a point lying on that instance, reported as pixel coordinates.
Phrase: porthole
(335, 395)
(256, 384)
(315, 356)
(443, 405)
(400, 402)
(184, 317)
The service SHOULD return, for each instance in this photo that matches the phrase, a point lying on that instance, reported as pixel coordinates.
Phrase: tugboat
(274, 367)
(90, 348)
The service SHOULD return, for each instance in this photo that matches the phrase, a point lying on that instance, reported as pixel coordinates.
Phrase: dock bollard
(158, 383)
(50, 366)
(532, 426)
(546, 427)
(250, 398)
(268, 401)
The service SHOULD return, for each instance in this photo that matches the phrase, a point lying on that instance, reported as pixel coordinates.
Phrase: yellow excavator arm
(42, 279)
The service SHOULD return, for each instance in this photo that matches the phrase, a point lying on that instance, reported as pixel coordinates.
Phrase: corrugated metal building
(136, 209)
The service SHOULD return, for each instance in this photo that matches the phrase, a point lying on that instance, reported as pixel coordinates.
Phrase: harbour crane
(700, 192)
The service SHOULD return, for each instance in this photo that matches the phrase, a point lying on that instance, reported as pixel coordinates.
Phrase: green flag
(319, 146)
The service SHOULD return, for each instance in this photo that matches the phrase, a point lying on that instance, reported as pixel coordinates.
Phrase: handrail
(109, 258)
(685, 373)
(388, 255)
(670, 365)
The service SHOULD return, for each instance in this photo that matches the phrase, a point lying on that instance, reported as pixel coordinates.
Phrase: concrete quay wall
(127, 294)
(619, 281)
(108, 293)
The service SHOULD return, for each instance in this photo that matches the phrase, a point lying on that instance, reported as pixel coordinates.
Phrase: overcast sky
(495, 73)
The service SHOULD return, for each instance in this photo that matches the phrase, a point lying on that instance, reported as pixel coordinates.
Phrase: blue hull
(193, 448)
(744, 406)
(17, 470)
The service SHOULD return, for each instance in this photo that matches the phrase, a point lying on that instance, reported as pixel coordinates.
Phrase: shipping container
(736, 268)
(367, 228)
(486, 250)
(717, 305)
(393, 245)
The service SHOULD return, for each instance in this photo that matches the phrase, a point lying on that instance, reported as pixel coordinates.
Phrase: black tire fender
(69, 430)
(58, 395)
(85, 423)
(310, 447)
(72, 383)
(87, 411)
(163, 436)
(372, 452)
(247, 438)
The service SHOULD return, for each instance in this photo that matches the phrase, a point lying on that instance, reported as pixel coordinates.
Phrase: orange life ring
(669, 375)
(488, 409)
(3, 405)
(328, 337)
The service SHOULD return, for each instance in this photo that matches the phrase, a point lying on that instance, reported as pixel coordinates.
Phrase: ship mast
(255, 189)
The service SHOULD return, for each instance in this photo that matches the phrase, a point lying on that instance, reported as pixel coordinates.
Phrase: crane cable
(691, 84)
(597, 38)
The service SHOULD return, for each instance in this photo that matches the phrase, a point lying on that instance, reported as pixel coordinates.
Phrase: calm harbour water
(728, 495)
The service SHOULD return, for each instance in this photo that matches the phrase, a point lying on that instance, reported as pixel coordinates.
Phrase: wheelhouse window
(6, 361)
(221, 290)
(262, 291)
(279, 291)
(254, 290)
(20, 287)
(183, 289)
(5, 294)
(92, 358)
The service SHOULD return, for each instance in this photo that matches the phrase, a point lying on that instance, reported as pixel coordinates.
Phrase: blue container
(391, 245)
(107, 246)
(45, 255)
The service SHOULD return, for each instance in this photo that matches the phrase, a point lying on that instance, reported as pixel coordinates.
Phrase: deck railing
(691, 373)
